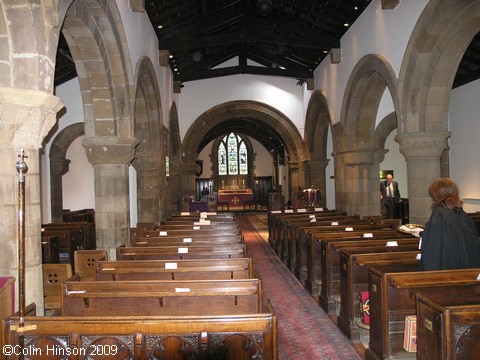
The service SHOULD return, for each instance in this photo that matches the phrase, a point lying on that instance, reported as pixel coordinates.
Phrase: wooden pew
(50, 249)
(194, 230)
(243, 336)
(308, 253)
(354, 278)
(85, 262)
(211, 269)
(392, 297)
(330, 263)
(183, 252)
(87, 230)
(157, 297)
(186, 241)
(69, 241)
(448, 325)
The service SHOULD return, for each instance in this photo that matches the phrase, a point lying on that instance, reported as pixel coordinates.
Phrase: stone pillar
(423, 152)
(58, 168)
(357, 182)
(174, 188)
(317, 179)
(110, 157)
(26, 118)
(149, 172)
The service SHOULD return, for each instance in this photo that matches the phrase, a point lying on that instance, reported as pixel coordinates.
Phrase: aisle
(305, 331)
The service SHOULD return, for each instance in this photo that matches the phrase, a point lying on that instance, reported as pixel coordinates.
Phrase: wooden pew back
(154, 298)
(184, 252)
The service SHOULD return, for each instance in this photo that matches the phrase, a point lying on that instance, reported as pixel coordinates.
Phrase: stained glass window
(232, 156)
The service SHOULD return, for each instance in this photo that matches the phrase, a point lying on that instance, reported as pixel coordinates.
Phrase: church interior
(211, 179)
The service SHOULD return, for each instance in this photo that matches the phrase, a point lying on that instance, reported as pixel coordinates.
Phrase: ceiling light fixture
(264, 7)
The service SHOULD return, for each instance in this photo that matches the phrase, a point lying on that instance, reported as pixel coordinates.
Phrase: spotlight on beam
(264, 7)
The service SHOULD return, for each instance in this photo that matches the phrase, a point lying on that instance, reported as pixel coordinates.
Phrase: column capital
(110, 149)
(353, 157)
(27, 116)
(423, 144)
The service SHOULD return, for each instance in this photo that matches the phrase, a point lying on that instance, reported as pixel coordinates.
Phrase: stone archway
(149, 161)
(357, 156)
(97, 41)
(439, 39)
(59, 166)
(261, 113)
(317, 122)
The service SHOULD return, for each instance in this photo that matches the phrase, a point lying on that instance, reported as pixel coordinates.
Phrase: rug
(304, 330)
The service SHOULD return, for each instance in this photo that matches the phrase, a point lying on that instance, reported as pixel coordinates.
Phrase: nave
(305, 331)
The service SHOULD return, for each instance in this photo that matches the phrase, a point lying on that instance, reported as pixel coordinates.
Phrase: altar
(235, 197)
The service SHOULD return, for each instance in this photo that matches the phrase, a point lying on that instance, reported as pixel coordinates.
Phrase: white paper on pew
(44, 242)
(301, 210)
(211, 213)
(318, 209)
(478, 277)
(182, 290)
(204, 222)
(367, 235)
(108, 269)
(141, 242)
(170, 266)
(276, 211)
(184, 213)
(392, 243)
(187, 239)
(419, 256)
(196, 228)
(334, 223)
(420, 243)
(313, 220)
(288, 211)
(182, 250)
(163, 233)
(203, 215)
(348, 229)
(76, 292)
(311, 216)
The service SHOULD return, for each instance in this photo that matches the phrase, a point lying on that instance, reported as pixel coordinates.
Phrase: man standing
(389, 198)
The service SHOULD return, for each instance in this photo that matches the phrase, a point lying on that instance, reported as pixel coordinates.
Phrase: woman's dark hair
(444, 192)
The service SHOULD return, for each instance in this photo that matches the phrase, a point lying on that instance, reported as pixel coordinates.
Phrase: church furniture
(448, 325)
(354, 264)
(85, 262)
(195, 229)
(7, 296)
(222, 204)
(69, 240)
(53, 276)
(86, 229)
(234, 197)
(187, 241)
(206, 269)
(82, 215)
(199, 206)
(308, 247)
(201, 337)
(183, 252)
(392, 298)
(162, 297)
(50, 249)
(330, 263)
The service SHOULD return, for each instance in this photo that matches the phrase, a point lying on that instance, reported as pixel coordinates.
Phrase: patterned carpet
(305, 331)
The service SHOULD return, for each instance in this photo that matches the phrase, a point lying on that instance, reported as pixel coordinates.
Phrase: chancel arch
(440, 37)
(243, 115)
(357, 156)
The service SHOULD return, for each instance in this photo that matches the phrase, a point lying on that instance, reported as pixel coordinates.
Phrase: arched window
(232, 156)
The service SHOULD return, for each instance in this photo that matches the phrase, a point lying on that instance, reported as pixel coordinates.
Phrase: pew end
(53, 276)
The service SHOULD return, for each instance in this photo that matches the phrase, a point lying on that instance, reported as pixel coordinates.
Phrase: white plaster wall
(464, 123)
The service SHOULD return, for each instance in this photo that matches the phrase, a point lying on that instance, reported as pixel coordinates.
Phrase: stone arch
(261, 113)
(318, 119)
(59, 165)
(97, 41)
(357, 155)
(149, 161)
(442, 33)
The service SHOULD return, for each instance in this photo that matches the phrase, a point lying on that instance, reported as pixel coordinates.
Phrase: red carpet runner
(305, 331)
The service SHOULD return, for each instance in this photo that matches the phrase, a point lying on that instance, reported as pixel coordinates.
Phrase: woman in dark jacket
(450, 239)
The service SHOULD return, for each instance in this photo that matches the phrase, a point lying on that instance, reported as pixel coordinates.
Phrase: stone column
(26, 117)
(423, 153)
(317, 179)
(149, 171)
(58, 168)
(110, 157)
(357, 183)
